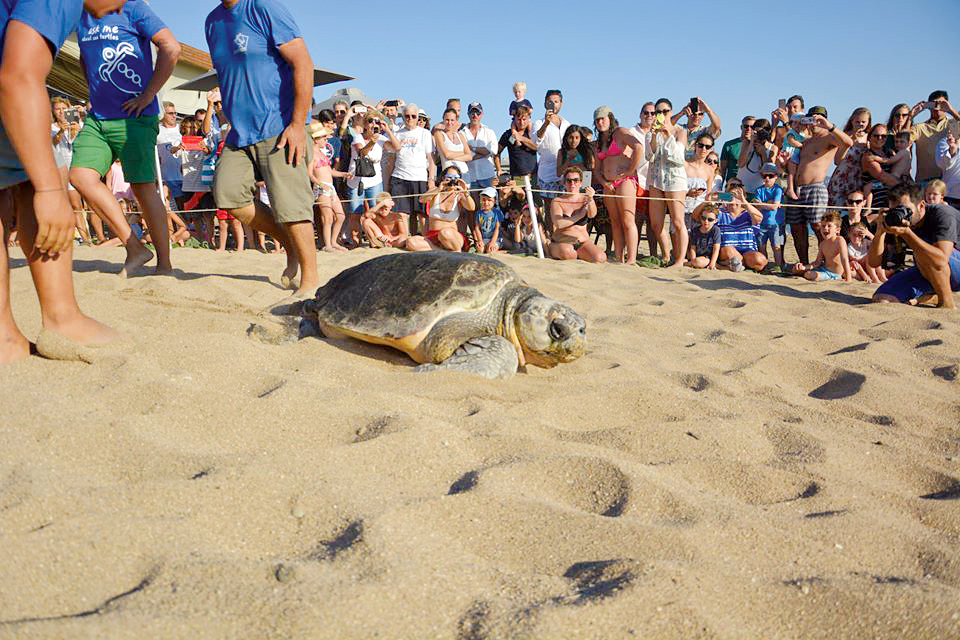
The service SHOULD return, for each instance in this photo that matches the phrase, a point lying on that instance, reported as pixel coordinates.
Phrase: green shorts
(239, 169)
(133, 140)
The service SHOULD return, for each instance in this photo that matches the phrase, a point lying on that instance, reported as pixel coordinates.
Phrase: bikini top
(439, 214)
(325, 157)
(613, 150)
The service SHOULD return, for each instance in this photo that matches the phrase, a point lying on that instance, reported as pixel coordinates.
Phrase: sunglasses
(746, 126)
(664, 111)
(709, 219)
(769, 175)
(340, 113)
(698, 113)
(904, 115)
(572, 180)
(701, 145)
(411, 116)
(648, 114)
(878, 136)
(713, 162)
(852, 201)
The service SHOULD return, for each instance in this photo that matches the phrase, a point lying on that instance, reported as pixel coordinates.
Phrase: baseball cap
(602, 112)
(475, 106)
(769, 167)
(817, 111)
(490, 192)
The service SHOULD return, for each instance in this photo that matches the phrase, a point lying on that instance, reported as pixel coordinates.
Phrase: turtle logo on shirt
(115, 71)
(241, 42)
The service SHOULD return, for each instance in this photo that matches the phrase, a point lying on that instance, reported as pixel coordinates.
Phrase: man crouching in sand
(32, 32)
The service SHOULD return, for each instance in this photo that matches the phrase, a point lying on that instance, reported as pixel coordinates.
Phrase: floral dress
(847, 177)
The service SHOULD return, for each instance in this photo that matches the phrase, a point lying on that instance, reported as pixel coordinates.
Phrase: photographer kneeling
(933, 232)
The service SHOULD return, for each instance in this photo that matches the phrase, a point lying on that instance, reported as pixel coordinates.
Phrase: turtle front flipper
(488, 356)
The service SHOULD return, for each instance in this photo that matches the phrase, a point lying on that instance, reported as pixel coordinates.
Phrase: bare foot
(329, 249)
(76, 339)
(341, 248)
(137, 256)
(163, 271)
(13, 348)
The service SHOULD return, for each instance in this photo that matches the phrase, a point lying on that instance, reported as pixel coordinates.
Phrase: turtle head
(549, 332)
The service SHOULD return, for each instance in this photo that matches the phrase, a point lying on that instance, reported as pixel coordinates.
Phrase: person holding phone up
(694, 111)
(927, 134)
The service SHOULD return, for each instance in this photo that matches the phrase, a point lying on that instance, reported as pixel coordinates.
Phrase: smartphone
(658, 121)
(391, 103)
(782, 104)
(694, 105)
(931, 104)
(803, 120)
(72, 115)
(360, 109)
(724, 196)
(192, 143)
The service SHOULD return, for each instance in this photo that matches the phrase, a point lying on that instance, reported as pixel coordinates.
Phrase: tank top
(450, 146)
(449, 216)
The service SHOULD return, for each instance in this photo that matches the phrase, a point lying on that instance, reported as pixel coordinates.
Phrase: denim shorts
(359, 196)
(910, 284)
(772, 234)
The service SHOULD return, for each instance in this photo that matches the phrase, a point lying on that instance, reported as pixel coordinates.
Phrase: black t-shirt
(703, 242)
(523, 161)
(940, 222)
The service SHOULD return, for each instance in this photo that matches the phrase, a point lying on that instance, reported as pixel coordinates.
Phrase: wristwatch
(832, 128)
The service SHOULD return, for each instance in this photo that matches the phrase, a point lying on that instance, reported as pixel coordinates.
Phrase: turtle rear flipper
(289, 329)
(488, 356)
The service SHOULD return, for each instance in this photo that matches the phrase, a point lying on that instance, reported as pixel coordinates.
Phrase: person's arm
(497, 163)
(626, 141)
(467, 202)
(495, 238)
(715, 255)
(213, 97)
(945, 158)
(755, 214)
(875, 169)
(715, 126)
(467, 154)
(819, 261)
(746, 148)
(875, 254)
(428, 196)
(294, 136)
(524, 139)
(393, 142)
(840, 137)
(168, 50)
(845, 261)
(25, 110)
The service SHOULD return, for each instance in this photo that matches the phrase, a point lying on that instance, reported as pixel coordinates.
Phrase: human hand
(213, 96)
(792, 194)
(590, 192)
(917, 108)
(55, 223)
(294, 138)
(820, 121)
(712, 266)
(135, 106)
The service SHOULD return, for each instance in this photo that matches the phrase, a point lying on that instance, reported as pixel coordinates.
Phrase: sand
(736, 456)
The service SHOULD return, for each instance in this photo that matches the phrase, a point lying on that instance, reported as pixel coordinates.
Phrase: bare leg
(13, 345)
(97, 223)
(628, 219)
(658, 213)
(261, 218)
(222, 243)
(938, 275)
(87, 182)
(305, 248)
(680, 238)
(76, 203)
(155, 215)
(239, 233)
(53, 279)
(612, 203)
(800, 241)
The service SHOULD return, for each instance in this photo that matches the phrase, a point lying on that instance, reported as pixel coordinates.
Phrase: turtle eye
(559, 331)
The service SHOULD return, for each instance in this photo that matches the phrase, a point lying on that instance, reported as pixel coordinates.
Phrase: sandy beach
(736, 456)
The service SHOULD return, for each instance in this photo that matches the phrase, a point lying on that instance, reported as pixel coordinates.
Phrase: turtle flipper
(488, 356)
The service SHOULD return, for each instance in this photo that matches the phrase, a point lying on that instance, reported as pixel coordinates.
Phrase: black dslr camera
(898, 216)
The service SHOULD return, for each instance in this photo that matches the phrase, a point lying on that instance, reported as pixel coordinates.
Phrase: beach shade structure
(348, 95)
(209, 80)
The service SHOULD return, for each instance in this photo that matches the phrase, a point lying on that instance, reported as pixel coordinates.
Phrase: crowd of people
(380, 175)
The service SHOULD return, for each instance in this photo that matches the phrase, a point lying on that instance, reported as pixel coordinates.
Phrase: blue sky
(741, 57)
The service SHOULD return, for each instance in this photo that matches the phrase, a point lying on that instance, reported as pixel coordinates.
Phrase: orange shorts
(433, 237)
(643, 205)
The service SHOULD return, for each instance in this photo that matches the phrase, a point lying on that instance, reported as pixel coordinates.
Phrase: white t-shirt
(416, 145)
(547, 149)
(644, 139)
(169, 164)
(375, 154)
(481, 168)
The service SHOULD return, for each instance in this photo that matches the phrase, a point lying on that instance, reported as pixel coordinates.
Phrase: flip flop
(651, 262)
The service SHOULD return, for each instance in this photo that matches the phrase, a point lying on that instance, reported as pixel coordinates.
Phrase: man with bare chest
(816, 156)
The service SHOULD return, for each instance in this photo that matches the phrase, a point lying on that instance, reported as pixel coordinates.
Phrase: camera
(898, 216)
(451, 179)
(72, 115)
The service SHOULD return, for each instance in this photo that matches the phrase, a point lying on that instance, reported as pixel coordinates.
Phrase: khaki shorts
(239, 169)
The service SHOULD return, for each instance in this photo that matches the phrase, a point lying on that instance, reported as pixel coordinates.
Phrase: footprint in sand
(346, 539)
(731, 304)
(900, 328)
(842, 384)
(695, 381)
(948, 372)
(793, 445)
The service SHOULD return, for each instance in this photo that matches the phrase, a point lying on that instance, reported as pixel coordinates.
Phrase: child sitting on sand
(858, 246)
(486, 233)
(833, 260)
(705, 240)
(383, 226)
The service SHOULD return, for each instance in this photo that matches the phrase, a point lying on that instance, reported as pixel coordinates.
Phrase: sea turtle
(453, 311)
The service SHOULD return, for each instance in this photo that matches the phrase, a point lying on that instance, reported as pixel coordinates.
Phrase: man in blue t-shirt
(266, 81)
(31, 31)
(122, 123)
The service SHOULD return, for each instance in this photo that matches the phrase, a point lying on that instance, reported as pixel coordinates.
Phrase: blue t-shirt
(774, 194)
(256, 83)
(117, 57)
(487, 222)
(737, 232)
(52, 19)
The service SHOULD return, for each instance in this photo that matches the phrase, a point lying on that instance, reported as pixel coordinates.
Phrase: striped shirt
(737, 232)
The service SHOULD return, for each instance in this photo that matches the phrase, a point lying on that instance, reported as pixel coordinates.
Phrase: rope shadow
(742, 285)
